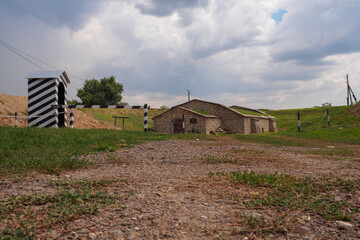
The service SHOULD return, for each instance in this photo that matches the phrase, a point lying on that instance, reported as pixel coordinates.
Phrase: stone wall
(199, 124)
(231, 120)
(259, 125)
(272, 125)
(226, 118)
(212, 124)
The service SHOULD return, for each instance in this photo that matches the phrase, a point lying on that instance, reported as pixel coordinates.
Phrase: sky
(261, 54)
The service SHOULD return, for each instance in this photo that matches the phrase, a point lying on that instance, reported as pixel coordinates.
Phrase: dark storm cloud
(310, 35)
(55, 13)
(163, 8)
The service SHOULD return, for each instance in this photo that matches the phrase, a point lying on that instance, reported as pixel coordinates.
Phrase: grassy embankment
(344, 127)
(134, 122)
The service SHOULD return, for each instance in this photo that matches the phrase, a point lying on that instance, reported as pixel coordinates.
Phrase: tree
(327, 104)
(104, 92)
(164, 107)
(73, 102)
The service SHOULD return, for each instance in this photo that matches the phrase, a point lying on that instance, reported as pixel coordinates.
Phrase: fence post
(71, 118)
(328, 116)
(298, 121)
(15, 119)
(145, 117)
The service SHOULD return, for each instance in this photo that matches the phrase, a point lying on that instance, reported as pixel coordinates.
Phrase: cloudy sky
(263, 54)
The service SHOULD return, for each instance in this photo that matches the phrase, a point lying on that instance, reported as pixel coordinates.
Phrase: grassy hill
(134, 122)
(344, 127)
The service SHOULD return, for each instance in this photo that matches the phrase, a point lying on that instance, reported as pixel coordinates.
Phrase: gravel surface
(168, 194)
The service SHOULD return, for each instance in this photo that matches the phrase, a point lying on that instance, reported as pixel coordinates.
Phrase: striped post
(145, 117)
(298, 121)
(328, 116)
(145, 107)
(71, 118)
(46, 88)
(15, 119)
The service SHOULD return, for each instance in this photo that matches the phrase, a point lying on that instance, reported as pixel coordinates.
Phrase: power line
(9, 46)
(22, 53)
(10, 49)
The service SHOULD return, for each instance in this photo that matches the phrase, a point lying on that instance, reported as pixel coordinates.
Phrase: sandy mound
(85, 121)
(10, 104)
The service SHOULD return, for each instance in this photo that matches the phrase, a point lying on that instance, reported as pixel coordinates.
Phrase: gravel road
(168, 193)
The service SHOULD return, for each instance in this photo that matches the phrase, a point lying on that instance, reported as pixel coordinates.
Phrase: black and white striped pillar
(16, 120)
(145, 107)
(145, 117)
(328, 116)
(298, 115)
(46, 88)
(71, 118)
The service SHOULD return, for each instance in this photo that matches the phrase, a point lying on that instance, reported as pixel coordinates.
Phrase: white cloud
(230, 52)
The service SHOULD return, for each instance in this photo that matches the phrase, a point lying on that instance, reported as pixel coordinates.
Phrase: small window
(193, 120)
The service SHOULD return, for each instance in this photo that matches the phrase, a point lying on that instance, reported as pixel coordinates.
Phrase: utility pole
(188, 95)
(347, 85)
(350, 93)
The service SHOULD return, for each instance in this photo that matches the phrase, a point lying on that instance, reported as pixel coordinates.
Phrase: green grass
(21, 217)
(286, 194)
(344, 128)
(51, 150)
(134, 122)
(203, 112)
(223, 159)
(248, 112)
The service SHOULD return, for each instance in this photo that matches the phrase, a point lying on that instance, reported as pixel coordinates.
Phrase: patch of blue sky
(278, 15)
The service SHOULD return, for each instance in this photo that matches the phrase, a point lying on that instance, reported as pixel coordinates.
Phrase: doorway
(61, 101)
(178, 126)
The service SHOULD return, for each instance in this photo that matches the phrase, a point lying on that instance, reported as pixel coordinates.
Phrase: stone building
(200, 116)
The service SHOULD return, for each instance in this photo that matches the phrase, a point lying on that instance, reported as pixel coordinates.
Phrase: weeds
(285, 193)
(223, 159)
(250, 151)
(258, 224)
(22, 217)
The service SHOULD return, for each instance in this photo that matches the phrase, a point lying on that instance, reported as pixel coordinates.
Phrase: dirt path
(168, 194)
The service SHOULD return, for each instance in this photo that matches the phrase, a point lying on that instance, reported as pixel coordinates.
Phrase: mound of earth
(10, 104)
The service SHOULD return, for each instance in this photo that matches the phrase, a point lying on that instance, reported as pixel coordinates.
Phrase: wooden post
(15, 119)
(328, 116)
(298, 121)
(123, 128)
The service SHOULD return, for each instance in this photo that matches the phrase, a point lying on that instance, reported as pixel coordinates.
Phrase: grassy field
(53, 150)
(344, 128)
